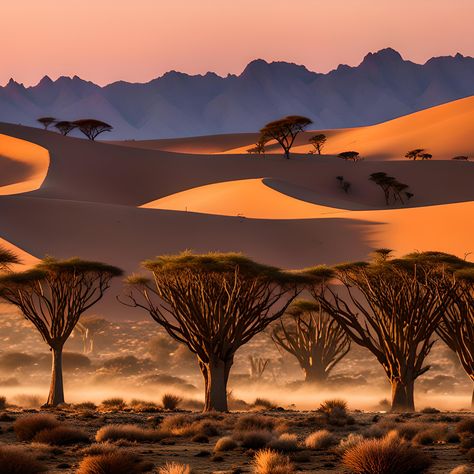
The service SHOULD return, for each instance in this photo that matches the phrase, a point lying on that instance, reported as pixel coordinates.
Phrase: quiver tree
(313, 337)
(318, 141)
(53, 295)
(388, 306)
(92, 128)
(258, 365)
(213, 303)
(456, 327)
(46, 121)
(285, 131)
(88, 327)
(64, 127)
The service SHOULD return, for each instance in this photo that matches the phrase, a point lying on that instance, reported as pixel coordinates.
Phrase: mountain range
(383, 86)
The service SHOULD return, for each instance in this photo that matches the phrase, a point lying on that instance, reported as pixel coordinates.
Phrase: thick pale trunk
(56, 391)
(216, 375)
(472, 400)
(403, 396)
(315, 375)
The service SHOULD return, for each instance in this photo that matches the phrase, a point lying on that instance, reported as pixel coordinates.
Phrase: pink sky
(108, 40)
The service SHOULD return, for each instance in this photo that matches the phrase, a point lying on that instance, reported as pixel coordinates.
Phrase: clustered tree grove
(91, 128)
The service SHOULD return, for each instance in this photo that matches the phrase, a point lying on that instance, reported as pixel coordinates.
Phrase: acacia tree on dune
(46, 121)
(64, 127)
(318, 141)
(418, 153)
(313, 337)
(92, 128)
(53, 295)
(285, 131)
(214, 303)
(388, 307)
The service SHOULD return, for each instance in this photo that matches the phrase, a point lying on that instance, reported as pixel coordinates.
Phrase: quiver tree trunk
(403, 396)
(216, 375)
(56, 390)
(315, 374)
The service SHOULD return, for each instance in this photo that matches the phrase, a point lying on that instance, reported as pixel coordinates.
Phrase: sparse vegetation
(318, 141)
(350, 156)
(61, 436)
(267, 461)
(19, 460)
(114, 462)
(170, 401)
(321, 439)
(115, 403)
(27, 427)
(128, 432)
(285, 443)
(227, 443)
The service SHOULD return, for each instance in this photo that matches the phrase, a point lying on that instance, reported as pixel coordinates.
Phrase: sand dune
(122, 204)
(23, 165)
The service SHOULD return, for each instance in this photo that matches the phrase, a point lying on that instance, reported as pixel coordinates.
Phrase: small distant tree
(92, 128)
(46, 121)
(258, 365)
(259, 148)
(461, 158)
(392, 189)
(415, 154)
(88, 327)
(426, 156)
(350, 156)
(390, 308)
(318, 141)
(345, 185)
(213, 303)
(64, 127)
(53, 295)
(313, 337)
(285, 131)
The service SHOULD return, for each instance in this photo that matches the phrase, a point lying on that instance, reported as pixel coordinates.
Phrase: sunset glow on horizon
(137, 41)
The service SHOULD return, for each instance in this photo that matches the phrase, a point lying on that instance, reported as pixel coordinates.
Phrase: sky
(138, 40)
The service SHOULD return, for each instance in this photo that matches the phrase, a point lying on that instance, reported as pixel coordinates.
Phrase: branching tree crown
(285, 131)
(392, 189)
(92, 128)
(64, 127)
(415, 154)
(318, 141)
(213, 303)
(46, 121)
(52, 296)
(350, 156)
(313, 337)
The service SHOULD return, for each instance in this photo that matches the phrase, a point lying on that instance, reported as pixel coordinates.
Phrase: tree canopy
(92, 128)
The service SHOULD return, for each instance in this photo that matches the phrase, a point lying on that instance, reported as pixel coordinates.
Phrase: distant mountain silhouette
(382, 87)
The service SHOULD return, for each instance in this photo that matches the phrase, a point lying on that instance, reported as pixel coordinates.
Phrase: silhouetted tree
(391, 187)
(64, 127)
(461, 158)
(318, 141)
(313, 337)
(92, 128)
(53, 295)
(345, 185)
(285, 131)
(426, 156)
(46, 121)
(415, 154)
(88, 327)
(259, 148)
(7, 258)
(213, 303)
(389, 308)
(350, 156)
(258, 365)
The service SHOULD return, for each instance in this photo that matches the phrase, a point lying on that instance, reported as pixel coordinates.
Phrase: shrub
(319, 440)
(3, 403)
(86, 406)
(175, 468)
(264, 403)
(464, 469)
(466, 426)
(254, 439)
(389, 455)
(267, 461)
(286, 443)
(346, 443)
(333, 408)
(143, 406)
(15, 460)
(61, 436)
(129, 433)
(436, 434)
(27, 427)
(430, 411)
(190, 425)
(409, 430)
(227, 443)
(114, 404)
(115, 462)
(256, 422)
(170, 401)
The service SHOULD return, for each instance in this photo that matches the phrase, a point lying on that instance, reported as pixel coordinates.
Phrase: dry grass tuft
(61, 436)
(28, 426)
(15, 460)
(286, 443)
(3, 403)
(227, 443)
(170, 401)
(144, 406)
(175, 468)
(98, 448)
(192, 425)
(254, 439)
(389, 455)
(346, 443)
(321, 439)
(464, 469)
(115, 462)
(129, 433)
(263, 403)
(85, 406)
(466, 426)
(113, 404)
(267, 461)
(256, 422)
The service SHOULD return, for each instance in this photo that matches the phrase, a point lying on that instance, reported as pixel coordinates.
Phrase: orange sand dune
(26, 259)
(23, 165)
(444, 131)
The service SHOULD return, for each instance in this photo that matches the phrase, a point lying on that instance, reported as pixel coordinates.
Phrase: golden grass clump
(389, 455)
(286, 443)
(15, 460)
(464, 469)
(129, 433)
(321, 439)
(346, 443)
(227, 443)
(192, 425)
(114, 462)
(257, 422)
(61, 436)
(254, 439)
(27, 427)
(113, 404)
(267, 461)
(175, 468)
(170, 401)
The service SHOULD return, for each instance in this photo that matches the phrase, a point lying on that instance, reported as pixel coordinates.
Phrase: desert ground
(124, 202)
